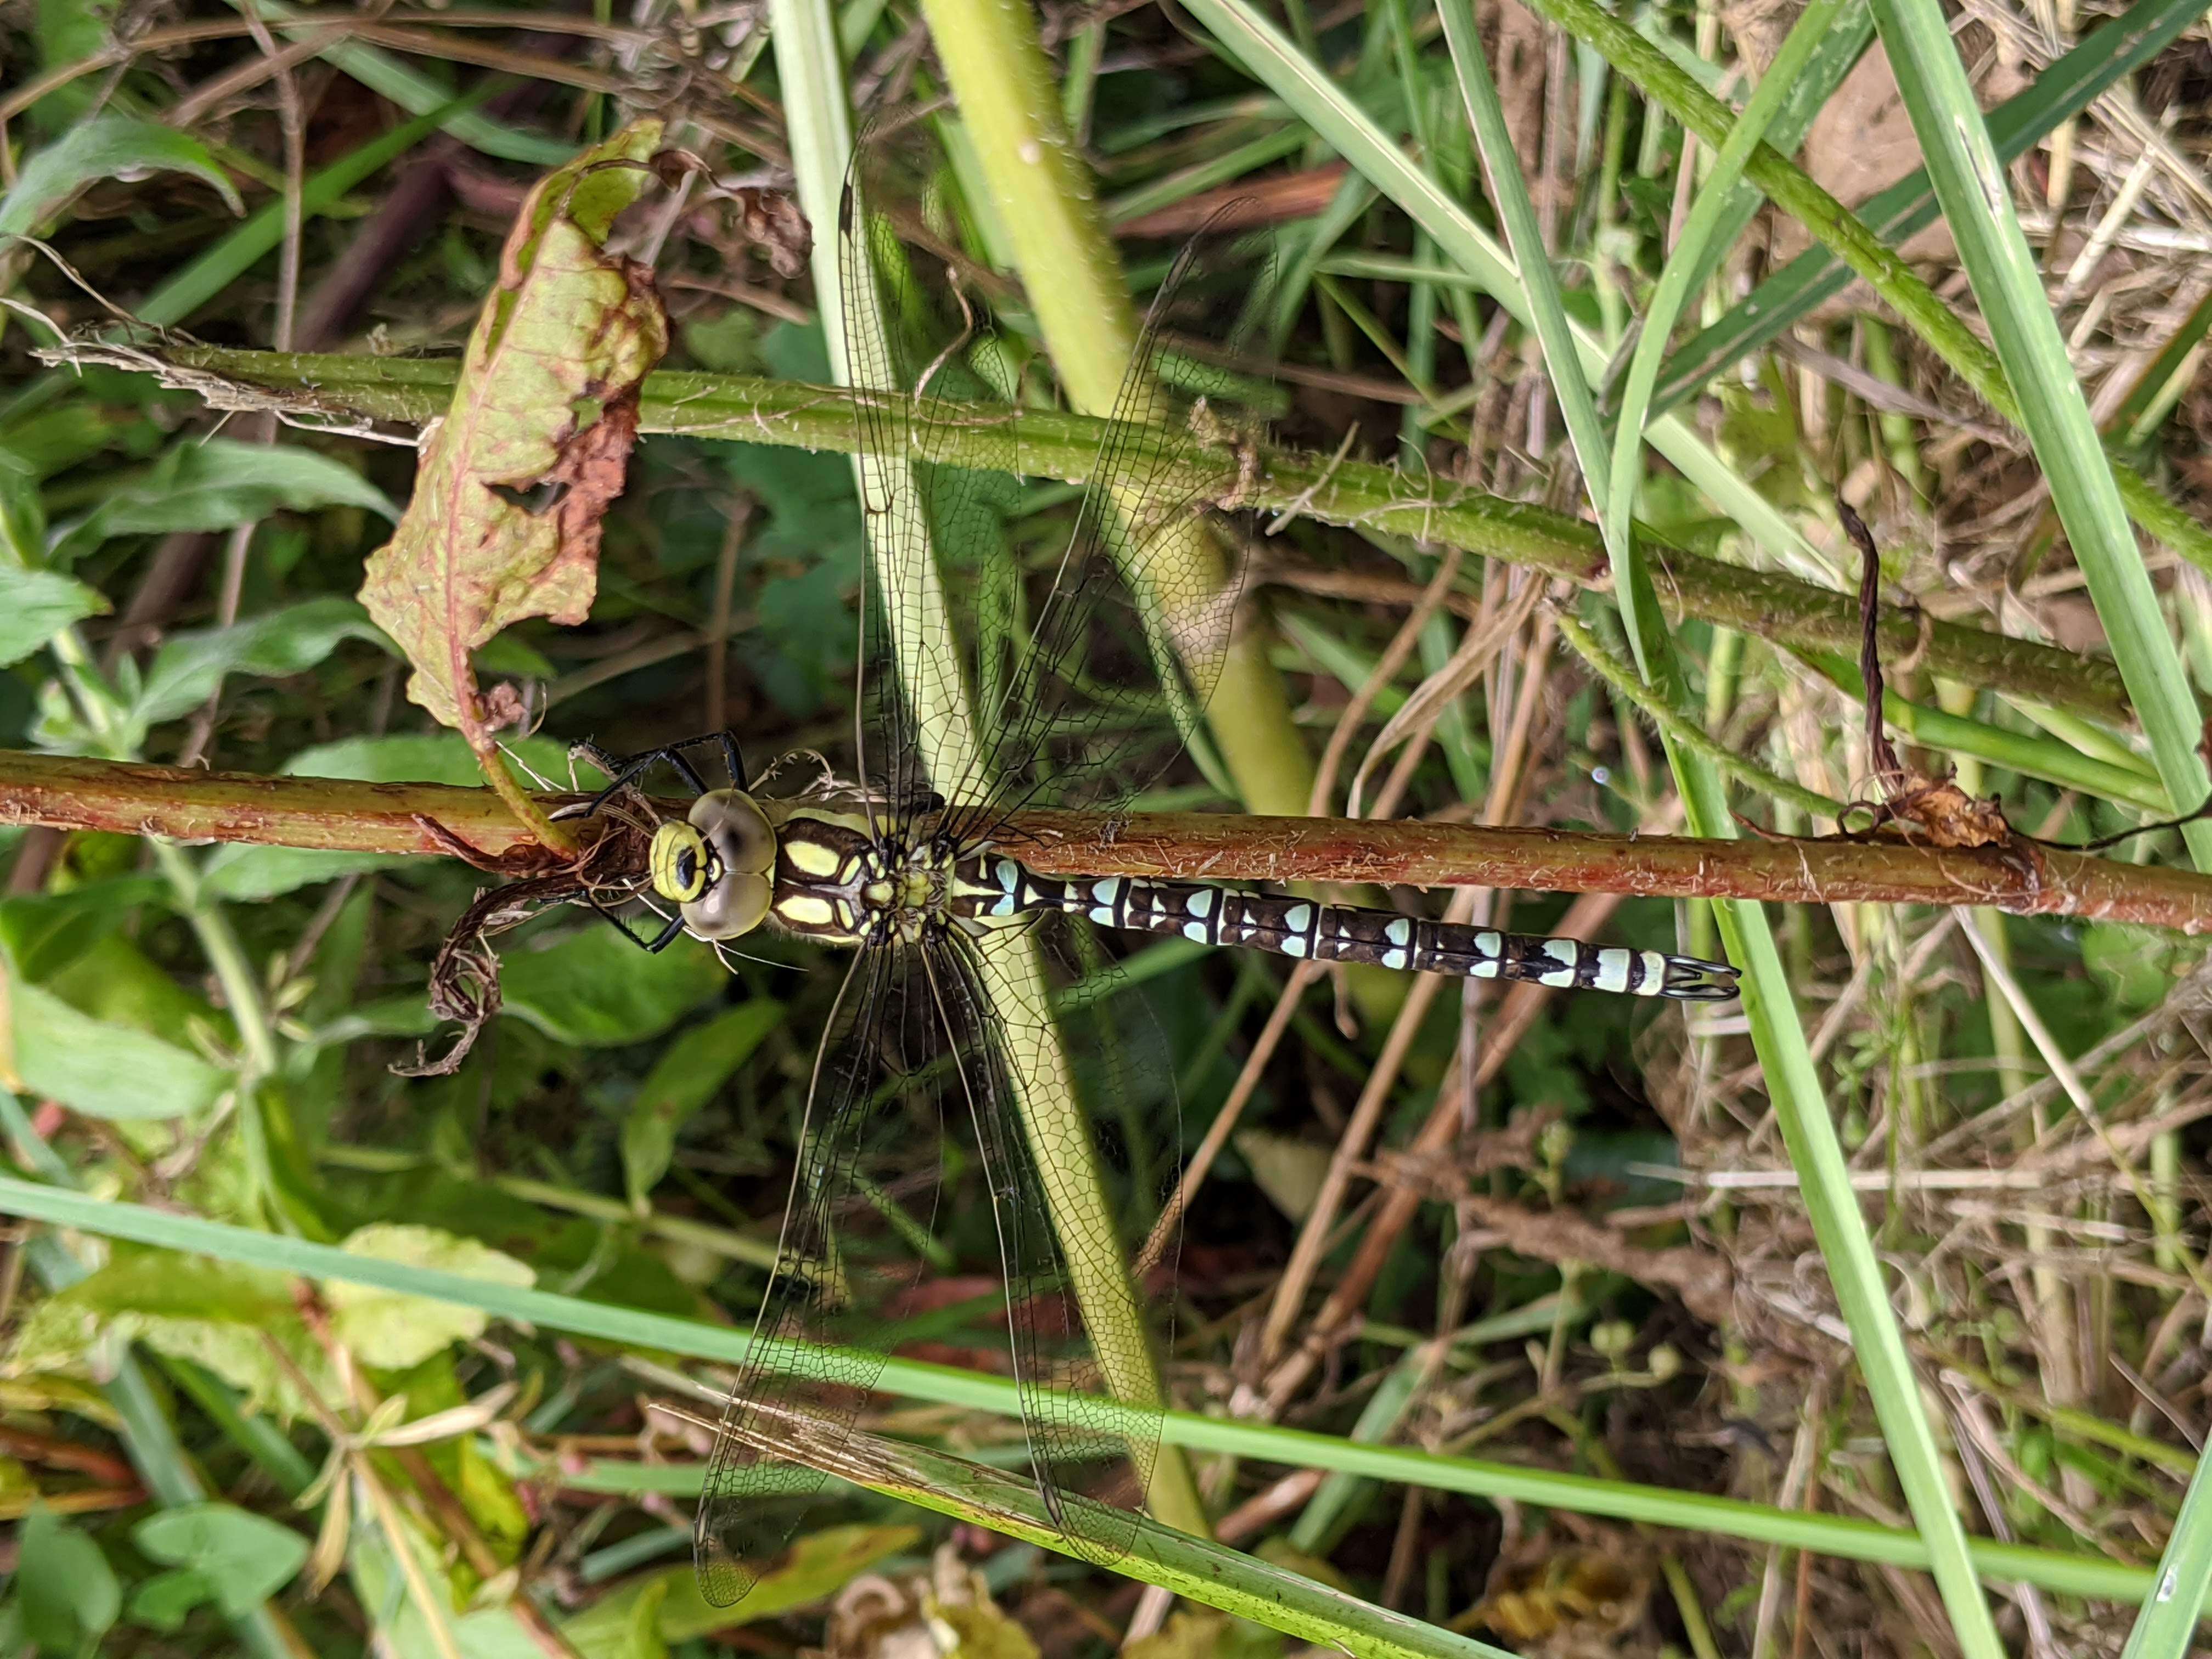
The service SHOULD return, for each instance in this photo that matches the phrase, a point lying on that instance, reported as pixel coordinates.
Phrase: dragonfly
(1056, 696)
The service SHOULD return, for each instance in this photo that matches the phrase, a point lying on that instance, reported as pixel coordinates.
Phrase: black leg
(657, 943)
(621, 773)
(733, 762)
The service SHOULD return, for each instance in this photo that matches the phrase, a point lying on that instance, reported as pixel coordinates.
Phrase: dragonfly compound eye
(740, 847)
(678, 863)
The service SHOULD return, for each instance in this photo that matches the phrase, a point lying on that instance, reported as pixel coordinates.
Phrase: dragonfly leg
(624, 773)
(652, 946)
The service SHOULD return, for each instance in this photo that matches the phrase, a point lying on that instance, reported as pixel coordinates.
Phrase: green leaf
(102, 1069)
(422, 757)
(37, 604)
(111, 979)
(252, 874)
(394, 1331)
(167, 1600)
(817, 1566)
(108, 147)
(689, 1075)
(41, 934)
(595, 989)
(186, 670)
(68, 1593)
(215, 484)
(218, 1314)
(245, 1557)
(68, 32)
(166, 1285)
(22, 513)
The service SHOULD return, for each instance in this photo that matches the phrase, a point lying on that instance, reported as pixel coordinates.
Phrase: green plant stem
(1622, 678)
(2026, 753)
(1073, 275)
(1778, 608)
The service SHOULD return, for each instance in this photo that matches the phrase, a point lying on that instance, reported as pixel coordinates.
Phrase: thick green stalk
(1072, 276)
(1779, 608)
(905, 564)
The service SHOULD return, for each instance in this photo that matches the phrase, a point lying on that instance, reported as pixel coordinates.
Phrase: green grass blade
(1325, 104)
(1792, 1079)
(1794, 1529)
(2167, 1627)
(1616, 492)
(1193, 1567)
(1842, 231)
(418, 94)
(1970, 183)
(2115, 49)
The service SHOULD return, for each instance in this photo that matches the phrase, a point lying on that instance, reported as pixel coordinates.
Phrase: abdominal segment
(993, 886)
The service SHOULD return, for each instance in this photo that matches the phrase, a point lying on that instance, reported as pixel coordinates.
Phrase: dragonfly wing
(1066, 1208)
(818, 1342)
(1142, 600)
(1073, 651)
(909, 363)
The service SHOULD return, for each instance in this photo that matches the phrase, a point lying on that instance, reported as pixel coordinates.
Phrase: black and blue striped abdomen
(993, 886)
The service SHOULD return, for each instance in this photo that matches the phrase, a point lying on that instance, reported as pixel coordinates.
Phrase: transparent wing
(1055, 1144)
(907, 360)
(1089, 660)
(1139, 602)
(841, 1265)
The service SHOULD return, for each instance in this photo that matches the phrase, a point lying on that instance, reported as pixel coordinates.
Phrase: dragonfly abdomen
(1001, 887)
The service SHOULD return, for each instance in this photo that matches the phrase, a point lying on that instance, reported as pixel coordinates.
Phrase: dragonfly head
(714, 864)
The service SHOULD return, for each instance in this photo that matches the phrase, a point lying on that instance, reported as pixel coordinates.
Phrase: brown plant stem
(2021, 877)
(787, 414)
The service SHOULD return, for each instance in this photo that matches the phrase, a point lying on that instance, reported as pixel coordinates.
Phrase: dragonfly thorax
(843, 879)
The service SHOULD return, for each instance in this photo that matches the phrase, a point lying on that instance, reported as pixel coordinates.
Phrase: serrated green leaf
(37, 604)
(187, 669)
(101, 1069)
(169, 1285)
(215, 484)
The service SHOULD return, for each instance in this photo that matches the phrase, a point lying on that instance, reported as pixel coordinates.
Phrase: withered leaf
(515, 480)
